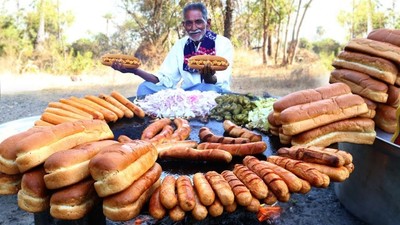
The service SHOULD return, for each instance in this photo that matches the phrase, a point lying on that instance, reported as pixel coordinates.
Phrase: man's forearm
(145, 75)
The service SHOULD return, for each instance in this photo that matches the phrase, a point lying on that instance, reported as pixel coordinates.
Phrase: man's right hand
(116, 65)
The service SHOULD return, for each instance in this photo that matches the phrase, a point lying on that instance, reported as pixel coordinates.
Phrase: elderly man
(200, 40)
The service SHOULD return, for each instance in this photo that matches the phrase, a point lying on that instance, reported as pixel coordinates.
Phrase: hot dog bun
(75, 201)
(393, 96)
(376, 67)
(10, 184)
(361, 84)
(128, 61)
(70, 166)
(386, 35)
(300, 118)
(117, 166)
(33, 196)
(354, 130)
(35, 148)
(375, 48)
(386, 118)
(216, 62)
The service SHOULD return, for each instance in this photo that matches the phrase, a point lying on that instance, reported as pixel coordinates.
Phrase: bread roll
(117, 166)
(385, 118)
(391, 36)
(216, 62)
(35, 148)
(361, 84)
(393, 96)
(33, 196)
(10, 184)
(300, 118)
(371, 109)
(375, 48)
(70, 166)
(75, 201)
(8, 151)
(122, 202)
(354, 130)
(379, 68)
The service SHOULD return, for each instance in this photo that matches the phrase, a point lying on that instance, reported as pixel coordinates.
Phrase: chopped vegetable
(258, 117)
(172, 103)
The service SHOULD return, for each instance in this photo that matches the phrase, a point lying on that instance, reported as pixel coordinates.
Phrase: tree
(228, 19)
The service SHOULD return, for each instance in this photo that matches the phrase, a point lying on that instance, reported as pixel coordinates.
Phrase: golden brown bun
(361, 84)
(300, 118)
(8, 151)
(393, 96)
(354, 130)
(130, 211)
(117, 166)
(386, 118)
(310, 95)
(375, 48)
(35, 148)
(386, 35)
(33, 196)
(10, 184)
(216, 62)
(70, 166)
(376, 67)
(128, 61)
(371, 109)
(75, 201)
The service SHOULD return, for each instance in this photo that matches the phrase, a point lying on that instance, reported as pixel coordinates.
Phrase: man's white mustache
(195, 31)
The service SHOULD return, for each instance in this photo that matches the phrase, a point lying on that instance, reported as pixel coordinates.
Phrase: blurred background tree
(33, 38)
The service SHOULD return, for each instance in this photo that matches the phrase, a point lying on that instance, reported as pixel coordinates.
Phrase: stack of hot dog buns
(369, 66)
(105, 107)
(324, 115)
(128, 61)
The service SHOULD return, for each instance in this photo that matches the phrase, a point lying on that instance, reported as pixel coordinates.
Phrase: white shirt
(171, 70)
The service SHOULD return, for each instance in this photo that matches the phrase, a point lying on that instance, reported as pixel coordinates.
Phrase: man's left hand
(208, 74)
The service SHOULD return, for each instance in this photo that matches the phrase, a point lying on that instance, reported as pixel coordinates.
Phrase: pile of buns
(370, 67)
(105, 107)
(321, 117)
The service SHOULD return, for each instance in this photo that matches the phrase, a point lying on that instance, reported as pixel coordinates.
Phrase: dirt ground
(320, 206)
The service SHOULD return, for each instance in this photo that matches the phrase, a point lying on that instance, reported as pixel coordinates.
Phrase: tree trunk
(40, 32)
(228, 19)
(265, 31)
(292, 41)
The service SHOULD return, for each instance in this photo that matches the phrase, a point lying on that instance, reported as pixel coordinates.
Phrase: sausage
(230, 208)
(306, 187)
(41, 123)
(237, 149)
(270, 199)
(106, 104)
(199, 211)
(176, 145)
(66, 113)
(186, 199)
(203, 189)
(182, 130)
(124, 139)
(216, 155)
(238, 131)
(127, 112)
(55, 119)
(156, 209)
(67, 107)
(299, 168)
(274, 181)
(254, 205)
(206, 135)
(242, 194)
(167, 192)
(109, 115)
(163, 136)
(154, 128)
(126, 102)
(177, 214)
(220, 187)
(253, 182)
(87, 109)
(216, 209)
